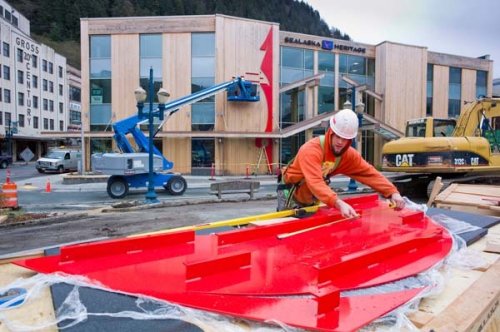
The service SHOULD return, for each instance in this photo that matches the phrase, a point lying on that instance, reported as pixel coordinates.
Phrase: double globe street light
(140, 96)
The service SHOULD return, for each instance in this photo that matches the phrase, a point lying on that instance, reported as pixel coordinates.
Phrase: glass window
(61, 125)
(371, 68)
(51, 105)
(20, 54)
(61, 90)
(6, 49)
(74, 93)
(203, 67)
(203, 44)
(45, 124)
(430, 72)
(44, 65)
(430, 85)
(51, 86)
(326, 61)
(34, 61)
(455, 75)
(202, 152)
(356, 65)
(292, 57)
(35, 122)
(148, 63)
(100, 46)
(151, 57)
(21, 120)
(100, 82)
(60, 71)
(481, 83)
(151, 46)
(61, 107)
(6, 96)
(51, 121)
(454, 92)
(100, 145)
(100, 92)
(20, 77)
(6, 72)
(35, 102)
(100, 68)
(34, 81)
(14, 21)
(20, 99)
(7, 118)
(45, 104)
(203, 76)
(45, 85)
(203, 113)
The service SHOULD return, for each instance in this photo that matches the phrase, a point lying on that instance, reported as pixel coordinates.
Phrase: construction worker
(305, 180)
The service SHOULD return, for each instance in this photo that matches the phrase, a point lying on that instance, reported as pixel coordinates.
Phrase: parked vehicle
(5, 161)
(130, 168)
(59, 161)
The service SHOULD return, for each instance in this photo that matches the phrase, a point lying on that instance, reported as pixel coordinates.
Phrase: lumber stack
(480, 199)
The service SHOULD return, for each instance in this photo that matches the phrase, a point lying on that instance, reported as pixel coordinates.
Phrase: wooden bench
(234, 187)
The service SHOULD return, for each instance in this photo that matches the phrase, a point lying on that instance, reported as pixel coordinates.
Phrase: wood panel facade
(400, 78)
(440, 91)
(252, 48)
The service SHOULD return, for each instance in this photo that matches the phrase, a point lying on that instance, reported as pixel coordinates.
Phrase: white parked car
(59, 161)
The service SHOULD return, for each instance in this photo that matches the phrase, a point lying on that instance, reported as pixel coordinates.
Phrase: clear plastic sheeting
(414, 206)
(455, 226)
(72, 311)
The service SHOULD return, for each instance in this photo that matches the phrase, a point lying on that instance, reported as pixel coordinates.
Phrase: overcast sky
(460, 27)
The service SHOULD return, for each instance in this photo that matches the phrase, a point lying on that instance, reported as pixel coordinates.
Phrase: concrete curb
(141, 205)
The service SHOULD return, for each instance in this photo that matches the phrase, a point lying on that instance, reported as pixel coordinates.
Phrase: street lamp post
(358, 108)
(140, 96)
(151, 196)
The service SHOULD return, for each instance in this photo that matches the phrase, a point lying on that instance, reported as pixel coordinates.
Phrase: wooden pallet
(480, 199)
(470, 300)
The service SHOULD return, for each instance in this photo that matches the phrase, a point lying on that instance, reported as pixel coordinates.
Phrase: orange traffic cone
(47, 186)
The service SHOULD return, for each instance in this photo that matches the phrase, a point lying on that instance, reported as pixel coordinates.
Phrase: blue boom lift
(130, 167)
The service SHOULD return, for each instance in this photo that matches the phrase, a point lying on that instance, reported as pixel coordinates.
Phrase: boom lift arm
(238, 90)
(128, 169)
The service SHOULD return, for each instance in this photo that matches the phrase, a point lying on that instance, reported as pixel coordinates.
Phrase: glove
(345, 209)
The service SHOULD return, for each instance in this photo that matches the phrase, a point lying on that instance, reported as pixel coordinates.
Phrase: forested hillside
(57, 22)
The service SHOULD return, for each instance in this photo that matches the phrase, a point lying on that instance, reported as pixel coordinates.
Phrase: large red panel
(258, 274)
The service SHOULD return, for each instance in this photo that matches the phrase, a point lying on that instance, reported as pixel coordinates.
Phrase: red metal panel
(252, 273)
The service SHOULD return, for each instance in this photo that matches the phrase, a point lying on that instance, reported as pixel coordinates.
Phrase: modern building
(302, 80)
(33, 89)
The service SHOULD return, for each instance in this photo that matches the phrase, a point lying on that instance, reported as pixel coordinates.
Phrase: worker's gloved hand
(345, 209)
(397, 201)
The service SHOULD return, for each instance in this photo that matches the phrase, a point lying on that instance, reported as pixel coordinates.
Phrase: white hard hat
(344, 123)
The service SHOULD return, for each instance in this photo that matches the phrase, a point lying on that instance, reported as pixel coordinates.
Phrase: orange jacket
(312, 164)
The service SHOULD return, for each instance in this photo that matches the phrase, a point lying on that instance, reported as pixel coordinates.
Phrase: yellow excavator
(471, 154)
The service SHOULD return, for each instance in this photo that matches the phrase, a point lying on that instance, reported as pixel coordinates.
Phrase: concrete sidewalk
(193, 181)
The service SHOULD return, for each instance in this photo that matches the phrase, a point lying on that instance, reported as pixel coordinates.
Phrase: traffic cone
(7, 180)
(47, 186)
